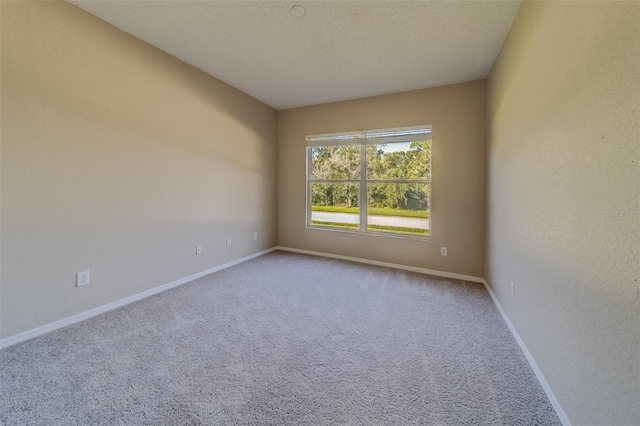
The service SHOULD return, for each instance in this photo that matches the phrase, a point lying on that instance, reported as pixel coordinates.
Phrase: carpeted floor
(284, 339)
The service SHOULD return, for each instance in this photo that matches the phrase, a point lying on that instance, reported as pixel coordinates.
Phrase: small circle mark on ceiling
(298, 11)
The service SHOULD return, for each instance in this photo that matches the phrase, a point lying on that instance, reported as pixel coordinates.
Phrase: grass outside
(379, 228)
(374, 211)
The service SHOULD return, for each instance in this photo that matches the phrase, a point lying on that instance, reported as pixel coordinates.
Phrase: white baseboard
(21, 337)
(543, 382)
(387, 264)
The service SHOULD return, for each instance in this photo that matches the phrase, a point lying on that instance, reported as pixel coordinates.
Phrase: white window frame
(364, 138)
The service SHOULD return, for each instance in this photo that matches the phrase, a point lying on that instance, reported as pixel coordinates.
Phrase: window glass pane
(399, 160)
(335, 204)
(335, 162)
(399, 208)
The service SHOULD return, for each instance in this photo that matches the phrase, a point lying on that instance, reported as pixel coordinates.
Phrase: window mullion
(363, 187)
(426, 182)
(335, 181)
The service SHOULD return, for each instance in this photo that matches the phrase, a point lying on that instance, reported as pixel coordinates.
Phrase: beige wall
(118, 159)
(563, 199)
(457, 114)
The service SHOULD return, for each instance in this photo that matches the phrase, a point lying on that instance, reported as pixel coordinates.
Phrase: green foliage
(343, 163)
(335, 194)
(336, 224)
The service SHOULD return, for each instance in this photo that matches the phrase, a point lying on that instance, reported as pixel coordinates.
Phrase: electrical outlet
(513, 290)
(443, 251)
(82, 278)
(255, 235)
(228, 242)
(198, 250)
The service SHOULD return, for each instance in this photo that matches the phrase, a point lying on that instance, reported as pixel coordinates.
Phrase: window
(376, 181)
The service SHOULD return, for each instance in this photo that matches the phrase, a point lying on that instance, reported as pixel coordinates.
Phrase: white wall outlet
(82, 278)
(443, 251)
(255, 235)
(513, 290)
(198, 250)
(228, 242)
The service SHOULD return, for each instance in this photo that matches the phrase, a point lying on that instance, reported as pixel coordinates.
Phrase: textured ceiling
(337, 51)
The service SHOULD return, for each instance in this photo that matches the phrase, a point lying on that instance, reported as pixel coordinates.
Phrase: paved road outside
(405, 222)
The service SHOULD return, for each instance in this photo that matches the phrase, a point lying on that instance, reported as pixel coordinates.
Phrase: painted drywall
(0, 171)
(457, 114)
(119, 159)
(563, 131)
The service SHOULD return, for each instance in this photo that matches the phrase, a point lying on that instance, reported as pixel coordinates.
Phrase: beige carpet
(283, 339)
